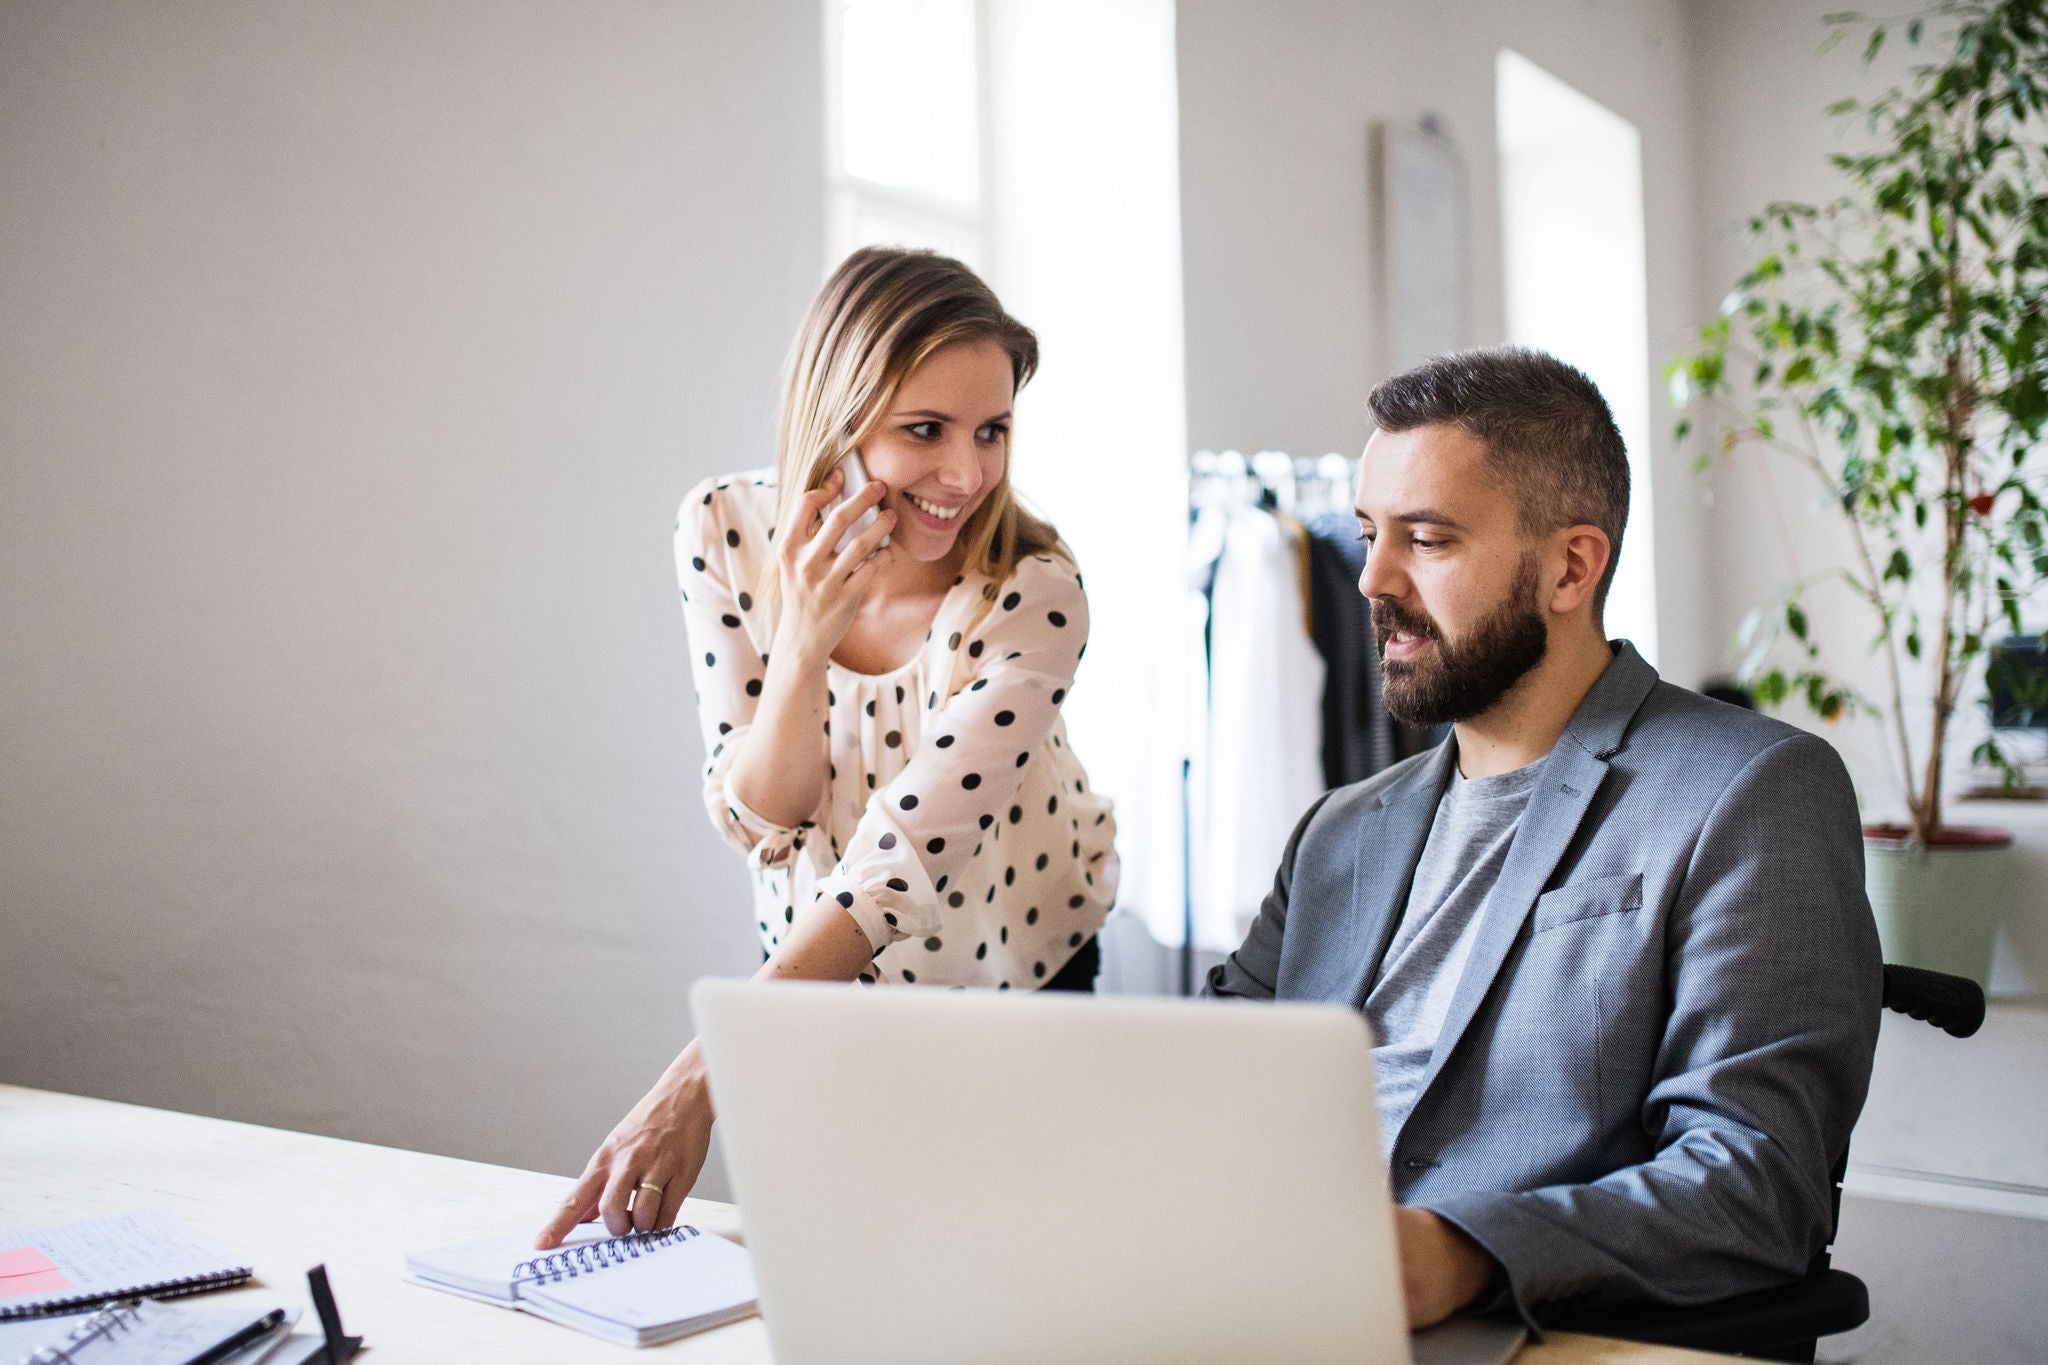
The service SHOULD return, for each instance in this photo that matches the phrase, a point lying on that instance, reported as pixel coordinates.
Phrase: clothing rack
(1301, 487)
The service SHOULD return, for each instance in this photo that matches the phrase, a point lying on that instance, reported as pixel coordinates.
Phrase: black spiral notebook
(69, 1266)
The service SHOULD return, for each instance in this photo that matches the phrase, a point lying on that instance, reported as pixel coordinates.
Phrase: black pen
(262, 1327)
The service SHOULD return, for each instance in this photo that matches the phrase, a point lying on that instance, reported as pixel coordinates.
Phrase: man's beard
(1457, 680)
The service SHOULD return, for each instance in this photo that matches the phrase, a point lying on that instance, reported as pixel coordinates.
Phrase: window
(907, 124)
(1571, 182)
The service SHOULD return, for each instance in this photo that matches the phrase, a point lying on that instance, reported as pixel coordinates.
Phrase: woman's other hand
(667, 1135)
(822, 589)
(663, 1142)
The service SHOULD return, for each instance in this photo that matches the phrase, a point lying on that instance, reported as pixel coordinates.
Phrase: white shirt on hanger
(1264, 734)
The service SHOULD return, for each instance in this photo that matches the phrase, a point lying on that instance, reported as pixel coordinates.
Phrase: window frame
(943, 220)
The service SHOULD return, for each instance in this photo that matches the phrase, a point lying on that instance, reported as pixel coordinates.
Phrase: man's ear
(1584, 552)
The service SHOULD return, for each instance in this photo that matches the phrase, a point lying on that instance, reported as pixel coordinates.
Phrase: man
(1611, 936)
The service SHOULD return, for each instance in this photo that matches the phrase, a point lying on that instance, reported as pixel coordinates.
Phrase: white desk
(287, 1201)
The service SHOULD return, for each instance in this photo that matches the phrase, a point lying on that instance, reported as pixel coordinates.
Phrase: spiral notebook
(638, 1290)
(75, 1265)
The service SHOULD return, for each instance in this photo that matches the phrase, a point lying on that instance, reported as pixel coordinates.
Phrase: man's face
(1454, 586)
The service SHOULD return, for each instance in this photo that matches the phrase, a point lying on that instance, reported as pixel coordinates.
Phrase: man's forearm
(1442, 1269)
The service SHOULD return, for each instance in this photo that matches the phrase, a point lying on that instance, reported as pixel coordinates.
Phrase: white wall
(1283, 330)
(355, 358)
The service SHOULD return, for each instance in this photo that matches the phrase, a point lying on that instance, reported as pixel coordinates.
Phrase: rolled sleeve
(765, 843)
(727, 666)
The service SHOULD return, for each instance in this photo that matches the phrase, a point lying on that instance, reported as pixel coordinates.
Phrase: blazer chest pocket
(1589, 900)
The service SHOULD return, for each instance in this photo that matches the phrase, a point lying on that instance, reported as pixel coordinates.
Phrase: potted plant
(1894, 343)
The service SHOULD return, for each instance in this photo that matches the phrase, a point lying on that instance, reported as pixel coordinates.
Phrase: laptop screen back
(931, 1176)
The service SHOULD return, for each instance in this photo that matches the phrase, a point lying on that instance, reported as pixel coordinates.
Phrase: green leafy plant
(1894, 343)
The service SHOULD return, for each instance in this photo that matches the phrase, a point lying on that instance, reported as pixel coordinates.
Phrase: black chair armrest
(1954, 1004)
(1779, 1323)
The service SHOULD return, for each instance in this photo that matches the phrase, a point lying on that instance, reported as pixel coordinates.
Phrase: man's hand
(1442, 1269)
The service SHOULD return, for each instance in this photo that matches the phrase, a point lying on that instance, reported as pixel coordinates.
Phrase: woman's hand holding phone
(781, 769)
(827, 561)
(854, 477)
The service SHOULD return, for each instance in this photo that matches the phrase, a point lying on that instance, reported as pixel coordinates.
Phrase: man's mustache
(1389, 617)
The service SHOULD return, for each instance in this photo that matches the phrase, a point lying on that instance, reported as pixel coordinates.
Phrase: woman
(880, 701)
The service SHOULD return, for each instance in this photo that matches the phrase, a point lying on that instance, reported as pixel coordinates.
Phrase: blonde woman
(880, 697)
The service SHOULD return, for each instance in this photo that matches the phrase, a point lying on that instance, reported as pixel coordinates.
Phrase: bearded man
(1611, 936)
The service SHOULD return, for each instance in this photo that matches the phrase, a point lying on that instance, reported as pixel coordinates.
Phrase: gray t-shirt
(1468, 842)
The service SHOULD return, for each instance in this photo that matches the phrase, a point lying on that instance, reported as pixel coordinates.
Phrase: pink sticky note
(25, 1270)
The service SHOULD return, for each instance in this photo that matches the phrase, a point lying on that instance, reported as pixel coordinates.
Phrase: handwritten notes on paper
(26, 1270)
(140, 1251)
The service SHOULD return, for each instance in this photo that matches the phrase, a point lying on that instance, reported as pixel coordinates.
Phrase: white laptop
(934, 1177)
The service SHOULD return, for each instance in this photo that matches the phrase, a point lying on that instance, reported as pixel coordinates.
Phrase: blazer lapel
(1389, 847)
(1563, 793)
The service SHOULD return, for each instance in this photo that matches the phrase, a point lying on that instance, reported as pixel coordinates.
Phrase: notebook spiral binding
(114, 1320)
(165, 1289)
(591, 1257)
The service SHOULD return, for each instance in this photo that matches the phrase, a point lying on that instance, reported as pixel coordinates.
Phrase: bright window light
(1571, 179)
(906, 122)
(908, 80)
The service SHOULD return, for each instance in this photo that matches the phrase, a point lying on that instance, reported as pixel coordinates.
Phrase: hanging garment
(1264, 736)
(1358, 734)
(1166, 921)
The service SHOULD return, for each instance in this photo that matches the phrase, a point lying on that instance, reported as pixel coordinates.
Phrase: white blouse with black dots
(957, 828)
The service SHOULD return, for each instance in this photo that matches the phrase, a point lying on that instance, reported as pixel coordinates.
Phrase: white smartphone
(856, 478)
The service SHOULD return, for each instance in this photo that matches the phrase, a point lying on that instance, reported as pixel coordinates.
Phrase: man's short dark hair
(1547, 431)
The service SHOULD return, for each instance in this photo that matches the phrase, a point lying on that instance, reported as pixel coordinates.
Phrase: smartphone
(856, 478)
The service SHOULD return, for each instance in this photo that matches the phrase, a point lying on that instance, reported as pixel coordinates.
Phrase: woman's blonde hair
(883, 311)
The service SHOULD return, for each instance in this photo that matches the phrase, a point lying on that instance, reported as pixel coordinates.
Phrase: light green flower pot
(1938, 907)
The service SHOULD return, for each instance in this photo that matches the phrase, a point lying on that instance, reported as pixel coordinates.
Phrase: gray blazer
(1664, 1032)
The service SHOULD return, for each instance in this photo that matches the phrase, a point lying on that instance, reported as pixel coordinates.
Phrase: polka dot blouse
(958, 829)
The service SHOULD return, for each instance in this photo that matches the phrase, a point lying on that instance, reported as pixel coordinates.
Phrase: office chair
(1785, 1322)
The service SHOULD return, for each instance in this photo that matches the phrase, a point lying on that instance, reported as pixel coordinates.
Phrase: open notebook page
(706, 1277)
(485, 1266)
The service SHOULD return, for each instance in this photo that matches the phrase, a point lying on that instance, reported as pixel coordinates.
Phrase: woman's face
(942, 445)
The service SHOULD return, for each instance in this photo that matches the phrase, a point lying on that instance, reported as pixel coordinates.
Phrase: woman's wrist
(688, 1079)
(799, 650)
